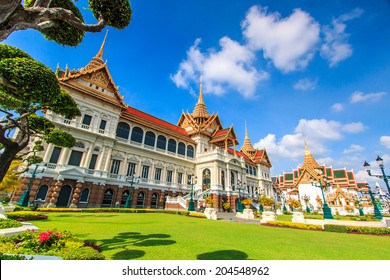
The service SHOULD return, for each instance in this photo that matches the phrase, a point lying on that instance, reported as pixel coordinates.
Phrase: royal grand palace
(124, 154)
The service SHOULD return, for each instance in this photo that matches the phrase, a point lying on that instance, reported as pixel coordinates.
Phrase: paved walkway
(25, 226)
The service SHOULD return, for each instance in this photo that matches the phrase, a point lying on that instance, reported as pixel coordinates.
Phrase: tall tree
(29, 89)
(11, 178)
(61, 20)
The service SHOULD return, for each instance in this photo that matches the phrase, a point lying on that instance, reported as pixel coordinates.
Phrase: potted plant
(246, 202)
(226, 206)
(209, 201)
(295, 204)
(267, 202)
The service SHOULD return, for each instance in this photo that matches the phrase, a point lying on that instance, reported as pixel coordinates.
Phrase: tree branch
(40, 18)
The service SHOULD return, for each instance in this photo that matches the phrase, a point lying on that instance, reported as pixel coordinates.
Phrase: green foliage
(7, 223)
(7, 51)
(117, 13)
(266, 201)
(356, 229)
(4, 257)
(63, 33)
(35, 83)
(295, 225)
(25, 215)
(60, 138)
(40, 124)
(51, 242)
(65, 105)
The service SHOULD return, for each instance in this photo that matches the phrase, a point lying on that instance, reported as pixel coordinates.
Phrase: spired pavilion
(117, 142)
(341, 193)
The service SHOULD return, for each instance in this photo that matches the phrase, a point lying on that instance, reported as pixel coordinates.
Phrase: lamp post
(191, 204)
(306, 198)
(385, 177)
(239, 206)
(132, 180)
(322, 183)
(377, 213)
(24, 198)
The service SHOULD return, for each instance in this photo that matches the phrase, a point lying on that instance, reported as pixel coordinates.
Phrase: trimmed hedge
(295, 225)
(26, 216)
(356, 229)
(196, 215)
(7, 223)
(112, 210)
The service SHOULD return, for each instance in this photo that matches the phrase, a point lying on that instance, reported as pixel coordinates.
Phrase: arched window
(125, 195)
(107, 198)
(206, 179)
(150, 138)
(190, 151)
(123, 130)
(141, 200)
(64, 196)
(161, 142)
(42, 192)
(154, 202)
(181, 149)
(172, 146)
(137, 134)
(84, 195)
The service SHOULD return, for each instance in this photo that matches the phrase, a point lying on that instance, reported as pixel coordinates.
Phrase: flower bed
(53, 243)
(196, 215)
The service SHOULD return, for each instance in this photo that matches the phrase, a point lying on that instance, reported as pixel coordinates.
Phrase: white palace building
(116, 141)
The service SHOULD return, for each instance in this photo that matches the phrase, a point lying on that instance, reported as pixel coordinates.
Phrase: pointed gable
(94, 79)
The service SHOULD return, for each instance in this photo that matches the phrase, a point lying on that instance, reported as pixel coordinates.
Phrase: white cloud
(353, 148)
(336, 47)
(305, 84)
(385, 141)
(359, 96)
(337, 107)
(289, 42)
(230, 67)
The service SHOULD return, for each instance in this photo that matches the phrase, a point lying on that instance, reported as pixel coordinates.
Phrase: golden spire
(100, 53)
(200, 110)
(309, 161)
(97, 60)
(247, 145)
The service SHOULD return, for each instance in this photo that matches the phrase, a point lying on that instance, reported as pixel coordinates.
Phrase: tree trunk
(6, 159)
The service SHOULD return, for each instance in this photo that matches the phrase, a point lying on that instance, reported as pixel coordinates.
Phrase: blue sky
(290, 69)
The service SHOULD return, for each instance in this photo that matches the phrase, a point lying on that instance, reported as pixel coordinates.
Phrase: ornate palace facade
(116, 141)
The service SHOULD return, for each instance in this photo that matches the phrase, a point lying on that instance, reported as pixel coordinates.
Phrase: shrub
(12, 257)
(246, 201)
(7, 223)
(196, 215)
(26, 216)
(356, 229)
(209, 200)
(266, 201)
(226, 206)
(295, 225)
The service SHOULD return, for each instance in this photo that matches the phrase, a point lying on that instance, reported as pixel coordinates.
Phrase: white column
(108, 160)
(101, 158)
(64, 157)
(49, 151)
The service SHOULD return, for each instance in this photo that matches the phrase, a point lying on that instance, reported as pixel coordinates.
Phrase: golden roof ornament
(247, 145)
(200, 110)
(97, 60)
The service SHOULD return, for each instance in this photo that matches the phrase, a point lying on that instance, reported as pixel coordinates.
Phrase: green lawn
(158, 236)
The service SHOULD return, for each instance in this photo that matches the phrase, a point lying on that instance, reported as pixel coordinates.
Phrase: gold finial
(247, 145)
(200, 110)
(246, 131)
(100, 53)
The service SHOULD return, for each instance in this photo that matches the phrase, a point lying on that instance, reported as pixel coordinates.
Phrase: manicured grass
(160, 236)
